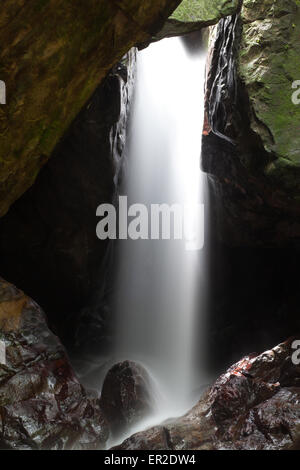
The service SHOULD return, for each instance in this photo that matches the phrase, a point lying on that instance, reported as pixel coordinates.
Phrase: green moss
(204, 10)
(269, 63)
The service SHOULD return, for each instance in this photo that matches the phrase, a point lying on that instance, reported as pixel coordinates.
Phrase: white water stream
(158, 286)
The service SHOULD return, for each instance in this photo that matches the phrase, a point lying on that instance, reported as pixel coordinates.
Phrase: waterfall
(158, 282)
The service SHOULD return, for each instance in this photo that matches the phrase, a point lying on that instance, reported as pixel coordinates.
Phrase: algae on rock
(192, 15)
(204, 10)
(269, 61)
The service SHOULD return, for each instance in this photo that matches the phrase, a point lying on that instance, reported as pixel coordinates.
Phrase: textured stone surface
(254, 405)
(250, 145)
(190, 11)
(269, 62)
(127, 396)
(53, 56)
(42, 404)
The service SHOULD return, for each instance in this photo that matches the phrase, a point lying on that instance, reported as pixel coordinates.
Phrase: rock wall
(250, 128)
(269, 63)
(250, 145)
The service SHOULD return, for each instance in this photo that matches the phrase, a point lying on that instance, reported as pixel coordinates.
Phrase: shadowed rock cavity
(48, 243)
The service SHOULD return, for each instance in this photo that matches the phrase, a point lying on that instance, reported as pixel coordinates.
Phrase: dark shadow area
(194, 42)
(253, 299)
(48, 243)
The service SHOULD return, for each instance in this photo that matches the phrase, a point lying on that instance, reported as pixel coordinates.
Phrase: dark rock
(42, 404)
(247, 408)
(48, 243)
(127, 396)
(253, 300)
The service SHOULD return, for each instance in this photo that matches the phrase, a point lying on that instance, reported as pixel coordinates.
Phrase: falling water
(159, 279)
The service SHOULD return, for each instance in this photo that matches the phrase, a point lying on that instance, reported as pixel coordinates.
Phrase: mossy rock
(269, 64)
(190, 11)
(193, 15)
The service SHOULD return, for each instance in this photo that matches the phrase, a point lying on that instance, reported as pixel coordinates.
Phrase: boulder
(42, 404)
(127, 396)
(253, 406)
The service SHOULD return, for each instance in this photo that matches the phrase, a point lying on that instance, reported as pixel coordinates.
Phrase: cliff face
(251, 142)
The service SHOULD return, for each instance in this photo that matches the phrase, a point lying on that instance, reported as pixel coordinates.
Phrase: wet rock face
(127, 396)
(42, 404)
(48, 243)
(254, 405)
(250, 144)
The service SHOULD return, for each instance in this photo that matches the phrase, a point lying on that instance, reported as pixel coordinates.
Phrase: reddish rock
(255, 405)
(127, 396)
(42, 404)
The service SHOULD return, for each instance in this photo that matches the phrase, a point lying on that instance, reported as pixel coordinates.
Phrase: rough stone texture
(48, 243)
(251, 142)
(42, 404)
(127, 396)
(190, 11)
(253, 406)
(269, 62)
(192, 15)
(53, 56)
